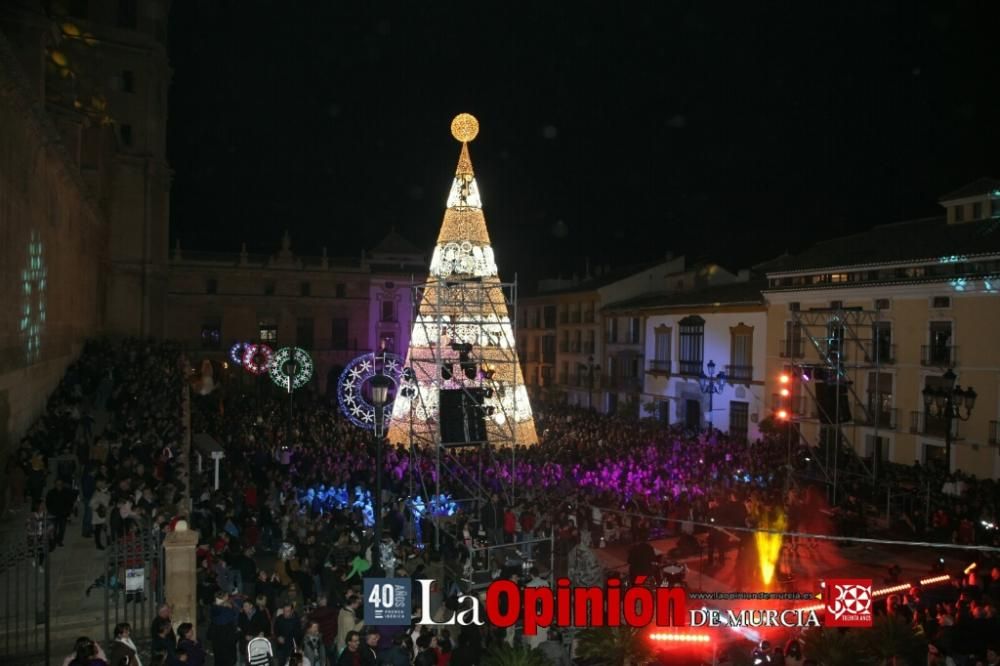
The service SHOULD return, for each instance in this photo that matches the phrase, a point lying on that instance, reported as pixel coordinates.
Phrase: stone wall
(52, 254)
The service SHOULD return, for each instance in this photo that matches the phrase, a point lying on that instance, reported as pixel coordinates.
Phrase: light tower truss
(830, 354)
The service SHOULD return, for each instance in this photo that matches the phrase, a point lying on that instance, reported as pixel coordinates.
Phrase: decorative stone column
(181, 574)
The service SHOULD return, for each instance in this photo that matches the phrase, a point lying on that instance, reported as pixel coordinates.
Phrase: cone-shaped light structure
(462, 338)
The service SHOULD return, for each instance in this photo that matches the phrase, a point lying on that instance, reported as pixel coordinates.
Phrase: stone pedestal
(181, 574)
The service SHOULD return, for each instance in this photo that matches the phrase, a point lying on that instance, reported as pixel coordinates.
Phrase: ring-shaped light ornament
(294, 363)
(357, 373)
(257, 358)
(236, 353)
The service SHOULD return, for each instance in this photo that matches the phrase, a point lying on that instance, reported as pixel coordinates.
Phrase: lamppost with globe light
(711, 384)
(948, 401)
(380, 396)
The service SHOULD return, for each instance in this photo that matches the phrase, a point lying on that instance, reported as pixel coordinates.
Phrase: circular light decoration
(257, 358)
(294, 363)
(236, 352)
(351, 387)
(464, 127)
(33, 282)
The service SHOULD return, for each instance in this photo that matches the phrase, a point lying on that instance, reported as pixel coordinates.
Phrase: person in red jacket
(509, 525)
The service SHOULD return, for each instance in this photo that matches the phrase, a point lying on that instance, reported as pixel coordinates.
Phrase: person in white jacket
(100, 508)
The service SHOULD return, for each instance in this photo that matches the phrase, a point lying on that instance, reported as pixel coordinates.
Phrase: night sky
(620, 131)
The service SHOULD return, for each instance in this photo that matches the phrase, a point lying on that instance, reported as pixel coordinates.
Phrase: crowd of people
(274, 560)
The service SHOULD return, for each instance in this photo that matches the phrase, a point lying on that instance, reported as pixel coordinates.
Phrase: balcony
(660, 366)
(739, 373)
(690, 368)
(886, 418)
(931, 426)
(791, 349)
(885, 351)
(994, 435)
(938, 356)
(621, 383)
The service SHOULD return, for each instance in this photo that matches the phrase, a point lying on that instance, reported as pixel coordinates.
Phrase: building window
(549, 313)
(388, 342)
(127, 14)
(940, 348)
(791, 346)
(304, 333)
(740, 353)
(959, 213)
(549, 348)
(305, 289)
(211, 286)
(941, 302)
(877, 447)
(338, 333)
(662, 349)
(268, 333)
(882, 342)
(125, 132)
(128, 81)
(211, 336)
(633, 330)
(692, 345)
(388, 311)
(340, 290)
(612, 333)
(880, 399)
(269, 288)
(739, 420)
(883, 304)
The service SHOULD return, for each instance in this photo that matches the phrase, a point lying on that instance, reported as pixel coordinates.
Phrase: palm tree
(835, 647)
(505, 655)
(614, 646)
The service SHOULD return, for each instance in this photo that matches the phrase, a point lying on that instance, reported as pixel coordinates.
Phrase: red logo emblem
(848, 602)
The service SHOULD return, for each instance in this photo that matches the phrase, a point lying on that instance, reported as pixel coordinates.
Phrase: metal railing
(885, 418)
(939, 356)
(660, 365)
(931, 426)
(739, 373)
(690, 368)
(621, 383)
(791, 348)
(884, 351)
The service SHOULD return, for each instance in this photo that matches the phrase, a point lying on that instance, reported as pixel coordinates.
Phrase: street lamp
(711, 384)
(948, 402)
(380, 396)
(591, 367)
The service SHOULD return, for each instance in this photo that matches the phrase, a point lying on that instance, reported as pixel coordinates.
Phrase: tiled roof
(736, 293)
(916, 240)
(975, 188)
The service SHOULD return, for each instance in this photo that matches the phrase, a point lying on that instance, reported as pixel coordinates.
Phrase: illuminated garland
(291, 362)
(350, 395)
(257, 358)
(236, 353)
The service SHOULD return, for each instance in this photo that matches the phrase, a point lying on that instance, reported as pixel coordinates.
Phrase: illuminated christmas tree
(463, 344)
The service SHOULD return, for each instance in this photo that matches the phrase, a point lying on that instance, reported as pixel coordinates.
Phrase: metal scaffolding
(829, 352)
